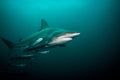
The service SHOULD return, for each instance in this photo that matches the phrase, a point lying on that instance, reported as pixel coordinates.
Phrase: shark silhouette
(44, 39)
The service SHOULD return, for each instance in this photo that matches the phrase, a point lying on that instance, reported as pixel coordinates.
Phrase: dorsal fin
(44, 24)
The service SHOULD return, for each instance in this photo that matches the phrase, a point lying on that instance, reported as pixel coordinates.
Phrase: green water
(93, 53)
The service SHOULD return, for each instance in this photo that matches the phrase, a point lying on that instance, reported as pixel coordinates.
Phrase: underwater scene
(59, 39)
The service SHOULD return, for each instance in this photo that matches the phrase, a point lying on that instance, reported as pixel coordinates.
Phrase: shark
(44, 39)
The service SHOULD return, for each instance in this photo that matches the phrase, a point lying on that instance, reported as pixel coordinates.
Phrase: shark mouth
(64, 38)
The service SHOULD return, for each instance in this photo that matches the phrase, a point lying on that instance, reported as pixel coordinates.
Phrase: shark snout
(75, 34)
(71, 35)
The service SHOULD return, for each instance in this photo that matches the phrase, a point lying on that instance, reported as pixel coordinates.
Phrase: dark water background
(93, 55)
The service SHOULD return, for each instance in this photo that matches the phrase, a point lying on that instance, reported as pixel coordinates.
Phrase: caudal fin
(8, 43)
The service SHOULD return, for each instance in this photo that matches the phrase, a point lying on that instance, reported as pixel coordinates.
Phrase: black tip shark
(44, 39)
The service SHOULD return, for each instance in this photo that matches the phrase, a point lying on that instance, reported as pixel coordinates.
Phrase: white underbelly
(59, 41)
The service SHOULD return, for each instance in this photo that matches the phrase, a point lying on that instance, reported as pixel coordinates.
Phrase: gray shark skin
(44, 39)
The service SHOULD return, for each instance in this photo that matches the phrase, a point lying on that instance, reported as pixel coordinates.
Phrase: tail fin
(8, 43)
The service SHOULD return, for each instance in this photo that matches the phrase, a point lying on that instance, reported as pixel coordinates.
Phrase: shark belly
(59, 41)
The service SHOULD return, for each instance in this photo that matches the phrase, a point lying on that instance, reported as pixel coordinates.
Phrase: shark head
(64, 38)
(57, 36)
